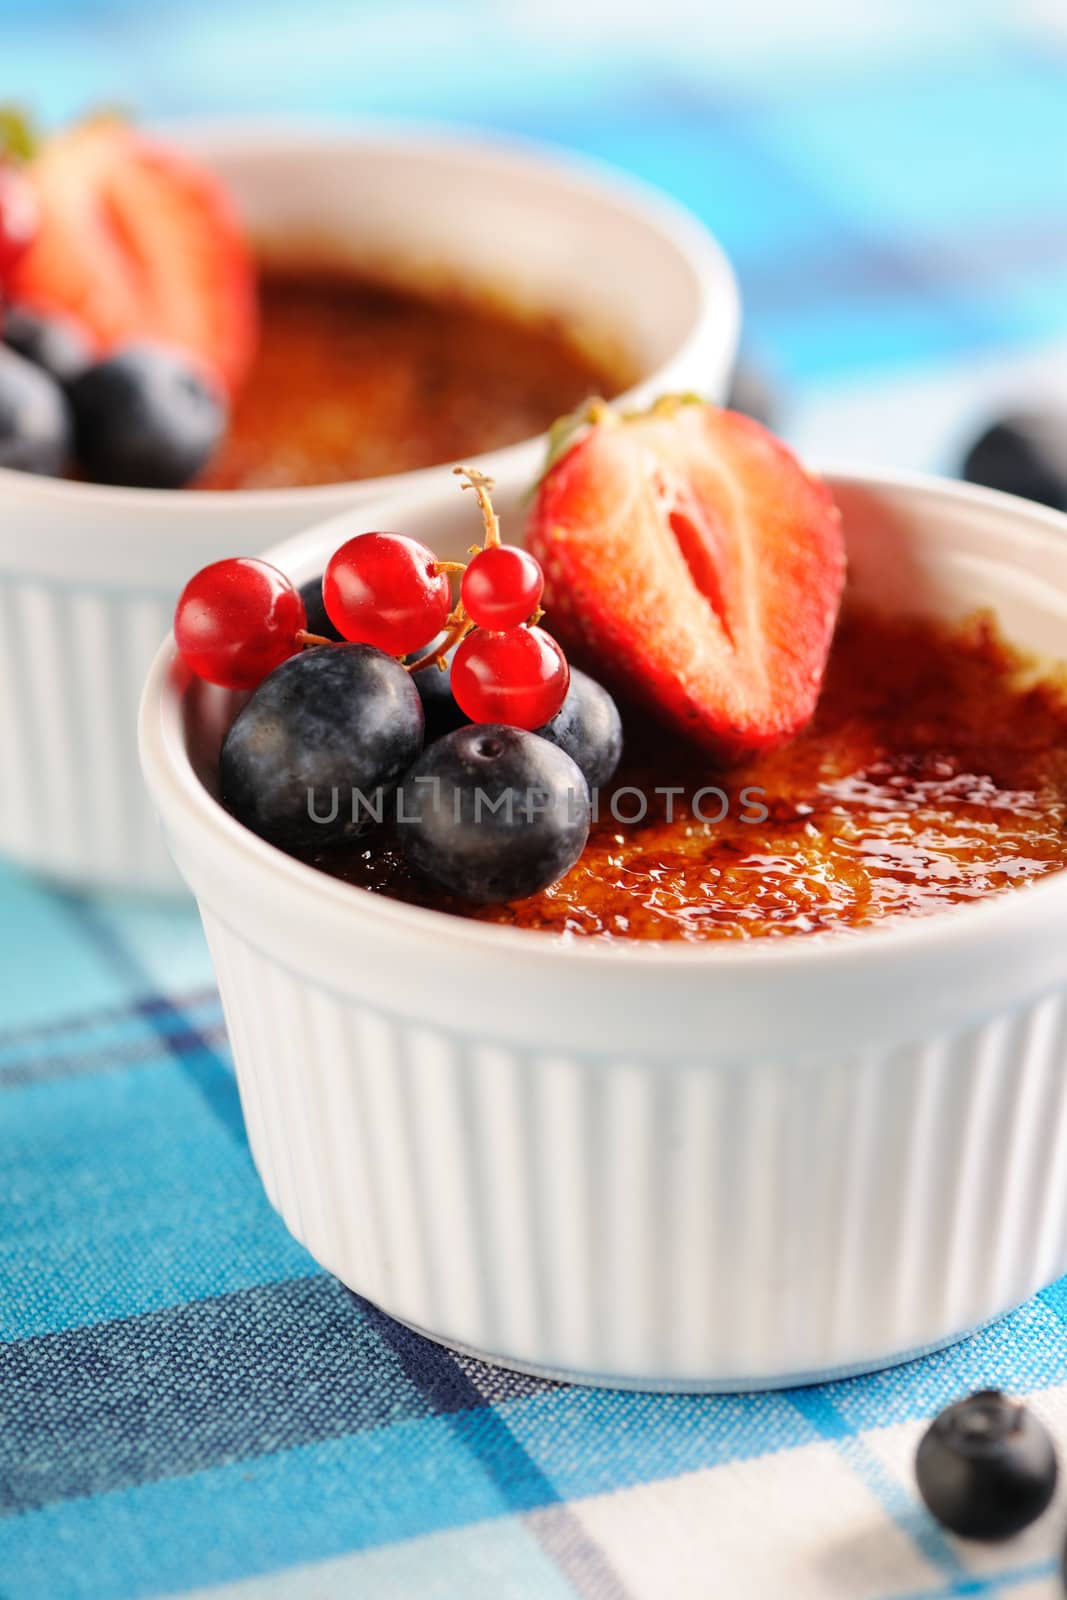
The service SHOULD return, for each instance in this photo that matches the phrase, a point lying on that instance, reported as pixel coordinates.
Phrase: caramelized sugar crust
(934, 772)
(355, 380)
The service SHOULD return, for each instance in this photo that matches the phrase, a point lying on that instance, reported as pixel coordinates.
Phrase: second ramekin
(89, 575)
(658, 1166)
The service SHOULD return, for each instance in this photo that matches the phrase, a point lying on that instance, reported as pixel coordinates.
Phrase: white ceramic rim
(966, 927)
(715, 329)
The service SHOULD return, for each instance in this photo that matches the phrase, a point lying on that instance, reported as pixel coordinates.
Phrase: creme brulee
(355, 380)
(934, 772)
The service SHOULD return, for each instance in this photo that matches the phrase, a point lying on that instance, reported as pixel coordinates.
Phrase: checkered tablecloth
(187, 1403)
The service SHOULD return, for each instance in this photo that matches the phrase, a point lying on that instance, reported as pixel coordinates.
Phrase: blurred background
(890, 178)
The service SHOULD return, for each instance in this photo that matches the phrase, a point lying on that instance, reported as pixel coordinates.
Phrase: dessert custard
(140, 347)
(355, 379)
(933, 772)
(794, 769)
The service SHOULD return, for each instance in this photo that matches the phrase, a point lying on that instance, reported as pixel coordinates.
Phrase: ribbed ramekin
(89, 575)
(682, 1167)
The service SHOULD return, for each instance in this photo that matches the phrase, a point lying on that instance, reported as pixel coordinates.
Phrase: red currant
(236, 621)
(387, 590)
(19, 216)
(502, 587)
(519, 677)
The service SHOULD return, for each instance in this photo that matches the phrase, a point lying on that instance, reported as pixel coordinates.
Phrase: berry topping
(1024, 455)
(55, 343)
(139, 242)
(317, 620)
(588, 727)
(986, 1467)
(236, 621)
(146, 418)
(438, 702)
(493, 813)
(688, 553)
(387, 590)
(502, 587)
(321, 745)
(519, 677)
(35, 423)
(19, 217)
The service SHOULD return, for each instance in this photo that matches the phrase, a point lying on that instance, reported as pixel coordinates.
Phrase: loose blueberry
(438, 702)
(55, 343)
(986, 1467)
(1025, 455)
(316, 753)
(35, 423)
(146, 418)
(493, 813)
(588, 727)
(317, 620)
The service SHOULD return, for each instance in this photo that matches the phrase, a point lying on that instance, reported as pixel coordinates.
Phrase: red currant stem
(459, 624)
(305, 638)
(535, 619)
(459, 627)
(476, 480)
(449, 566)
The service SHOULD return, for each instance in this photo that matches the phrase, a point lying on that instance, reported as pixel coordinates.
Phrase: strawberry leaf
(18, 136)
(565, 432)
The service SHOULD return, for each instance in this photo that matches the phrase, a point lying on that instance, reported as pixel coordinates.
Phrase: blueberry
(55, 343)
(493, 813)
(146, 418)
(318, 622)
(316, 753)
(35, 422)
(588, 727)
(438, 702)
(986, 1467)
(1025, 455)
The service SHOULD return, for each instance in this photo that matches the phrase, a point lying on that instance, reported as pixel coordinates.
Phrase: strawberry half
(135, 241)
(690, 558)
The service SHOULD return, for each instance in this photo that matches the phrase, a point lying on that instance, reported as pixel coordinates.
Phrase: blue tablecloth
(187, 1402)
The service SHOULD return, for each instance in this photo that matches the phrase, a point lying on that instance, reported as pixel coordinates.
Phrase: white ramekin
(89, 575)
(661, 1166)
